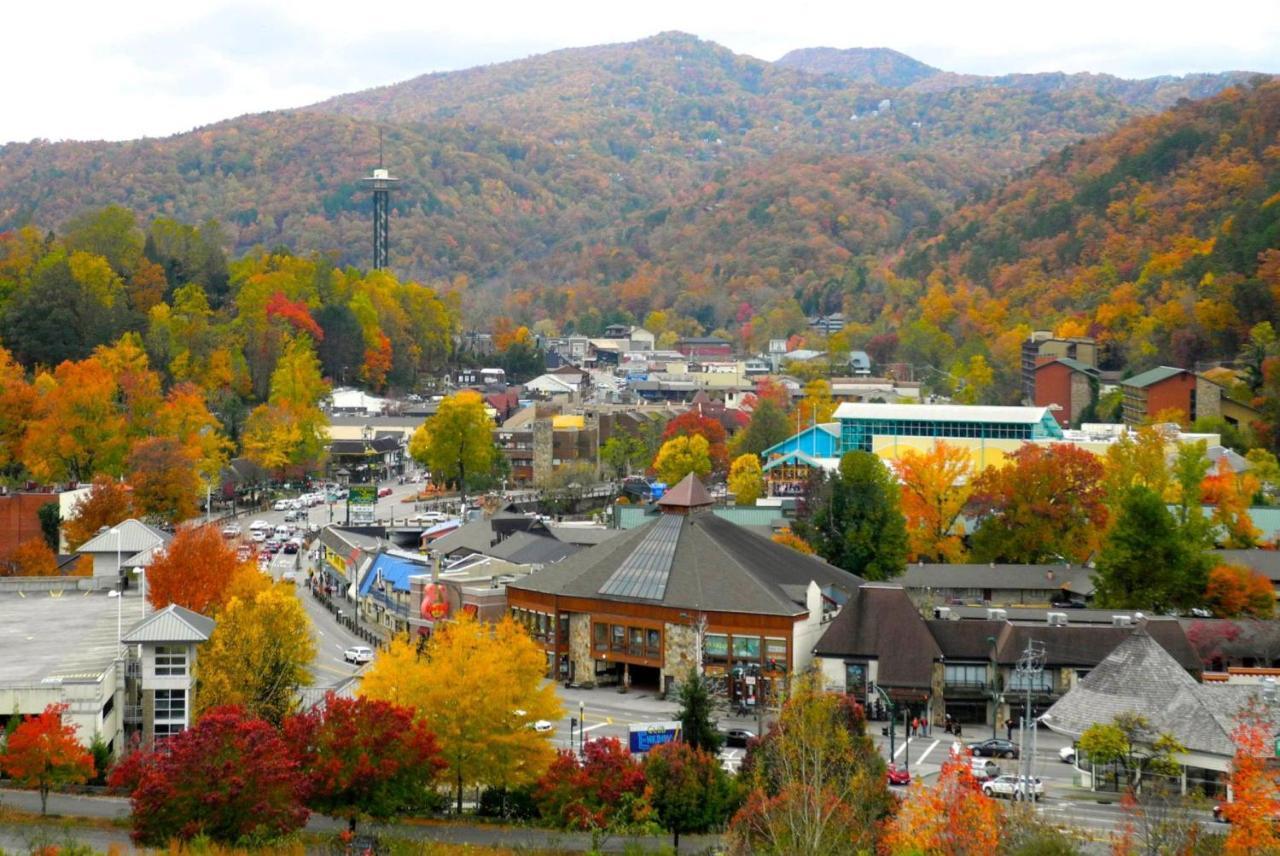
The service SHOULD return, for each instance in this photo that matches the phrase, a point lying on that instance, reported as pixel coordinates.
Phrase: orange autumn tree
(787, 538)
(31, 558)
(935, 487)
(43, 753)
(195, 571)
(949, 818)
(1230, 494)
(164, 478)
(1235, 591)
(1256, 805)
(107, 503)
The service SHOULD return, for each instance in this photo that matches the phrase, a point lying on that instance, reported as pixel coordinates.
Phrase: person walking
(1008, 726)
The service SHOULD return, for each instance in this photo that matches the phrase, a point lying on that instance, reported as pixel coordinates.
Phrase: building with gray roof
(686, 588)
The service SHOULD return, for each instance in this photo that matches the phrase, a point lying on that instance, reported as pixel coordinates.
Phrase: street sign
(645, 735)
(362, 494)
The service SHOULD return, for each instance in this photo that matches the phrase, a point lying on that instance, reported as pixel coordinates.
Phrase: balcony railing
(971, 686)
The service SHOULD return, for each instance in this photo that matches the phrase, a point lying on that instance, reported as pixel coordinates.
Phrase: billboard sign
(646, 735)
(362, 494)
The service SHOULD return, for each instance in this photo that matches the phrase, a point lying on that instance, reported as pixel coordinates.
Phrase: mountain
(668, 173)
(1162, 239)
(881, 66)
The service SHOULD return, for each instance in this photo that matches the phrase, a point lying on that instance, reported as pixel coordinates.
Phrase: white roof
(941, 412)
(550, 383)
(135, 537)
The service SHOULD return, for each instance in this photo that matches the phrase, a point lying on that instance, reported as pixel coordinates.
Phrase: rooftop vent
(1056, 619)
(997, 615)
(942, 612)
(1122, 621)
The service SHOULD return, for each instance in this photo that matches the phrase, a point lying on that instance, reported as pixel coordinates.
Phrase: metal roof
(941, 412)
(172, 624)
(645, 572)
(135, 536)
(1151, 376)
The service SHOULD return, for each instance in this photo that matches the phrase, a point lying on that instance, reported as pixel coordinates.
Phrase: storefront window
(601, 636)
(619, 635)
(746, 648)
(637, 642)
(715, 649)
(653, 643)
(775, 655)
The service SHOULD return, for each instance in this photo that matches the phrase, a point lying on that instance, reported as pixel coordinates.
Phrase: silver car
(1013, 787)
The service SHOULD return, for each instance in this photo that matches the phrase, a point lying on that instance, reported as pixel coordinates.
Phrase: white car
(231, 530)
(358, 654)
(280, 505)
(1067, 754)
(542, 726)
(1013, 787)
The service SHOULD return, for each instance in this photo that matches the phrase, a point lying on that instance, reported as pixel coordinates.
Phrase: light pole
(119, 593)
(582, 725)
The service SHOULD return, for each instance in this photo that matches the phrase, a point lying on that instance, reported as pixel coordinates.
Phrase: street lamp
(119, 593)
(582, 725)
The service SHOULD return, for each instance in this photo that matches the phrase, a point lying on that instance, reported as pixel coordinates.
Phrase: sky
(134, 68)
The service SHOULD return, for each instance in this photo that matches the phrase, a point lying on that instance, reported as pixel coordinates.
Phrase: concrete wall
(43, 584)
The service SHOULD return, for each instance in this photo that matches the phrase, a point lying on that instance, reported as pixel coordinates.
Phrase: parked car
(994, 748)
(358, 654)
(1067, 754)
(542, 726)
(231, 530)
(1013, 787)
(384, 491)
(898, 775)
(738, 737)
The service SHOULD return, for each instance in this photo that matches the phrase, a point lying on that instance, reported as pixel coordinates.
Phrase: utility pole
(1028, 670)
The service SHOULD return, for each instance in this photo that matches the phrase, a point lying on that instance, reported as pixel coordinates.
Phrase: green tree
(855, 521)
(50, 523)
(621, 453)
(456, 441)
(768, 427)
(687, 788)
(1148, 561)
(746, 479)
(682, 455)
(695, 715)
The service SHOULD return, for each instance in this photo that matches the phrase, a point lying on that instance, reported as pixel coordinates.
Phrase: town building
(1043, 345)
(687, 590)
(704, 347)
(790, 464)
(1140, 676)
(930, 585)
(164, 646)
(129, 544)
(1067, 387)
(1169, 390)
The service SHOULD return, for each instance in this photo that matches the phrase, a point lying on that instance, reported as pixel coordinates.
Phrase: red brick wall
(1053, 386)
(1171, 394)
(20, 518)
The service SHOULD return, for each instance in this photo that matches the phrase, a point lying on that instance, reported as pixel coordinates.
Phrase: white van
(283, 532)
(259, 530)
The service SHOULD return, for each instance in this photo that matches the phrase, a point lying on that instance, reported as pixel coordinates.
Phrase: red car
(898, 775)
(384, 491)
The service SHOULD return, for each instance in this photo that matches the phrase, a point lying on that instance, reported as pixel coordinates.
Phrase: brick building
(1067, 387)
(1166, 388)
(1042, 345)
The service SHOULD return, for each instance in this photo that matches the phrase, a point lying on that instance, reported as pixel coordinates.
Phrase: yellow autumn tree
(935, 487)
(680, 456)
(259, 653)
(478, 687)
(1135, 461)
(817, 406)
(746, 479)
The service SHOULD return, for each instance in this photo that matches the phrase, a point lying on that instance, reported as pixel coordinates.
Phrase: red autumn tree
(687, 788)
(1235, 591)
(695, 422)
(229, 778)
(363, 758)
(295, 313)
(107, 503)
(193, 571)
(952, 817)
(1256, 804)
(603, 791)
(43, 753)
(1045, 502)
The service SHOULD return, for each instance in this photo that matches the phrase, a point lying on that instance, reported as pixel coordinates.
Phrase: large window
(171, 661)
(171, 704)
(715, 649)
(746, 649)
(600, 636)
(775, 655)
(1040, 683)
(973, 675)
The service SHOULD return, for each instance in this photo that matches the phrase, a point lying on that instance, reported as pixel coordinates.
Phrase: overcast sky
(103, 70)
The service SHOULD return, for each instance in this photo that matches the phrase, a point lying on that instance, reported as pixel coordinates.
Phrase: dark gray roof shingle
(880, 622)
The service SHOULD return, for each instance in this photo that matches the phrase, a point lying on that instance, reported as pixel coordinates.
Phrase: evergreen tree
(695, 714)
(768, 427)
(855, 521)
(1149, 561)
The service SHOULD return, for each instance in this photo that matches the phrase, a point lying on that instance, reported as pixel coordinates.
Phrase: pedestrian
(915, 726)
(1008, 726)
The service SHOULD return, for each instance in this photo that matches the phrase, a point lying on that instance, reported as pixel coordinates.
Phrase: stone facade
(679, 652)
(1208, 399)
(582, 664)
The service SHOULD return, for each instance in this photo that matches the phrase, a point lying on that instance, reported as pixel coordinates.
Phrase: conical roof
(689, 493)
